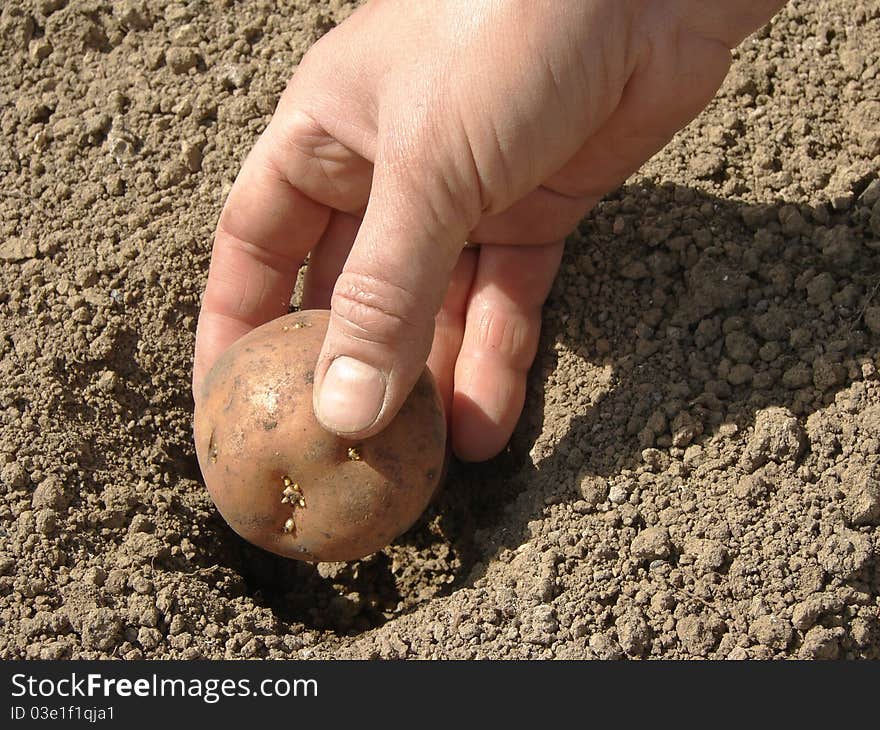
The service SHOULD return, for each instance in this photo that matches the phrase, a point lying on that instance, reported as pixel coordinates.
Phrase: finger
(449, 326)
(327, 259)
(541, 217)
(500, 341)
(265, 230)
(277, 210)
(390, 290)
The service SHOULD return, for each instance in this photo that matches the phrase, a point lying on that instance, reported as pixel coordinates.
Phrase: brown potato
(284, 483)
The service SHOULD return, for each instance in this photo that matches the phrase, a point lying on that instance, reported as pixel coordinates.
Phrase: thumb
(386, 298)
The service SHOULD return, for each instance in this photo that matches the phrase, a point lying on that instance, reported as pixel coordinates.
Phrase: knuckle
(511, 337)
(551, 228)
(565, 212)
(301, 131)
(430, 162)
(372, 310)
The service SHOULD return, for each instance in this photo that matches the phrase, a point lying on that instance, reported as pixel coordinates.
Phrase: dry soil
(697, 473)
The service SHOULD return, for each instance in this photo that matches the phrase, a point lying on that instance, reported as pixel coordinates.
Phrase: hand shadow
(676, 316)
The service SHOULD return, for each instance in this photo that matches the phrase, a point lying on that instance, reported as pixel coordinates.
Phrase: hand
(414, 127)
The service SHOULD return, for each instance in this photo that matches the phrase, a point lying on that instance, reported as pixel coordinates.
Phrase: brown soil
(697, 470)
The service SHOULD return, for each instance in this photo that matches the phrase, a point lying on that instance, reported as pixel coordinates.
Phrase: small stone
(740, 374)
(123, 146)
(617, 494)
(605, 647)
(177, 626)
(171, 174)
(149, 638)
(145, 548)
(13, 250)
(47, 7)
(95, 128)
(792, 222)
(846, 553)
(821, 643)
(114, 185)
(191, 155)
(651, 543)
(186, 35)
(141, 584)
(141, 523)
(581, 507)
(695, 635)
(872, 319)
(46, 622)
(180, 60)
(797, 376)
(50, 494)
(752, 487)
(741, 347)
(102, 346)
(653, 459)
(757, 216)
(633, 633)
(54, 650)
(820, 289)
(117, 581)
(707, 164)
(95, 576)
(862, 503)
(101, 629)
(132, 14)
(771, 631)
(827, 374)
(236, 77)
(594, 491)
(39, 50)
(107, 381)
(778, 437)
(805, 613)
(707, 554)
(860, 630)
(45, 521)
(13, 477)
(685, 428)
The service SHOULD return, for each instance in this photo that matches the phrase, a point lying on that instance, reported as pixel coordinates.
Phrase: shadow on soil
(646, 286)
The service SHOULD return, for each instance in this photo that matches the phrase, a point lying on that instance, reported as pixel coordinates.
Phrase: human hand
(414, 127)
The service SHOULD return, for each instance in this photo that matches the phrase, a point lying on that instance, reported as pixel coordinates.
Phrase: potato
(284, 483)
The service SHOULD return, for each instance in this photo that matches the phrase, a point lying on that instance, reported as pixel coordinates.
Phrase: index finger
(264, 233)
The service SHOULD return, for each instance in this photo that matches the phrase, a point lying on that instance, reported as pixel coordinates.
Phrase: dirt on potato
(287, 485)
(697, 471)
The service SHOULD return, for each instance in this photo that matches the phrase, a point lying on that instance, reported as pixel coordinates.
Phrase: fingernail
(351, 396)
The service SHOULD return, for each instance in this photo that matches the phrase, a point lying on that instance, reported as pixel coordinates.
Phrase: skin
(413, 128)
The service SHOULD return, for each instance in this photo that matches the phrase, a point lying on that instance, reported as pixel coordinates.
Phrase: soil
(697, 472)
